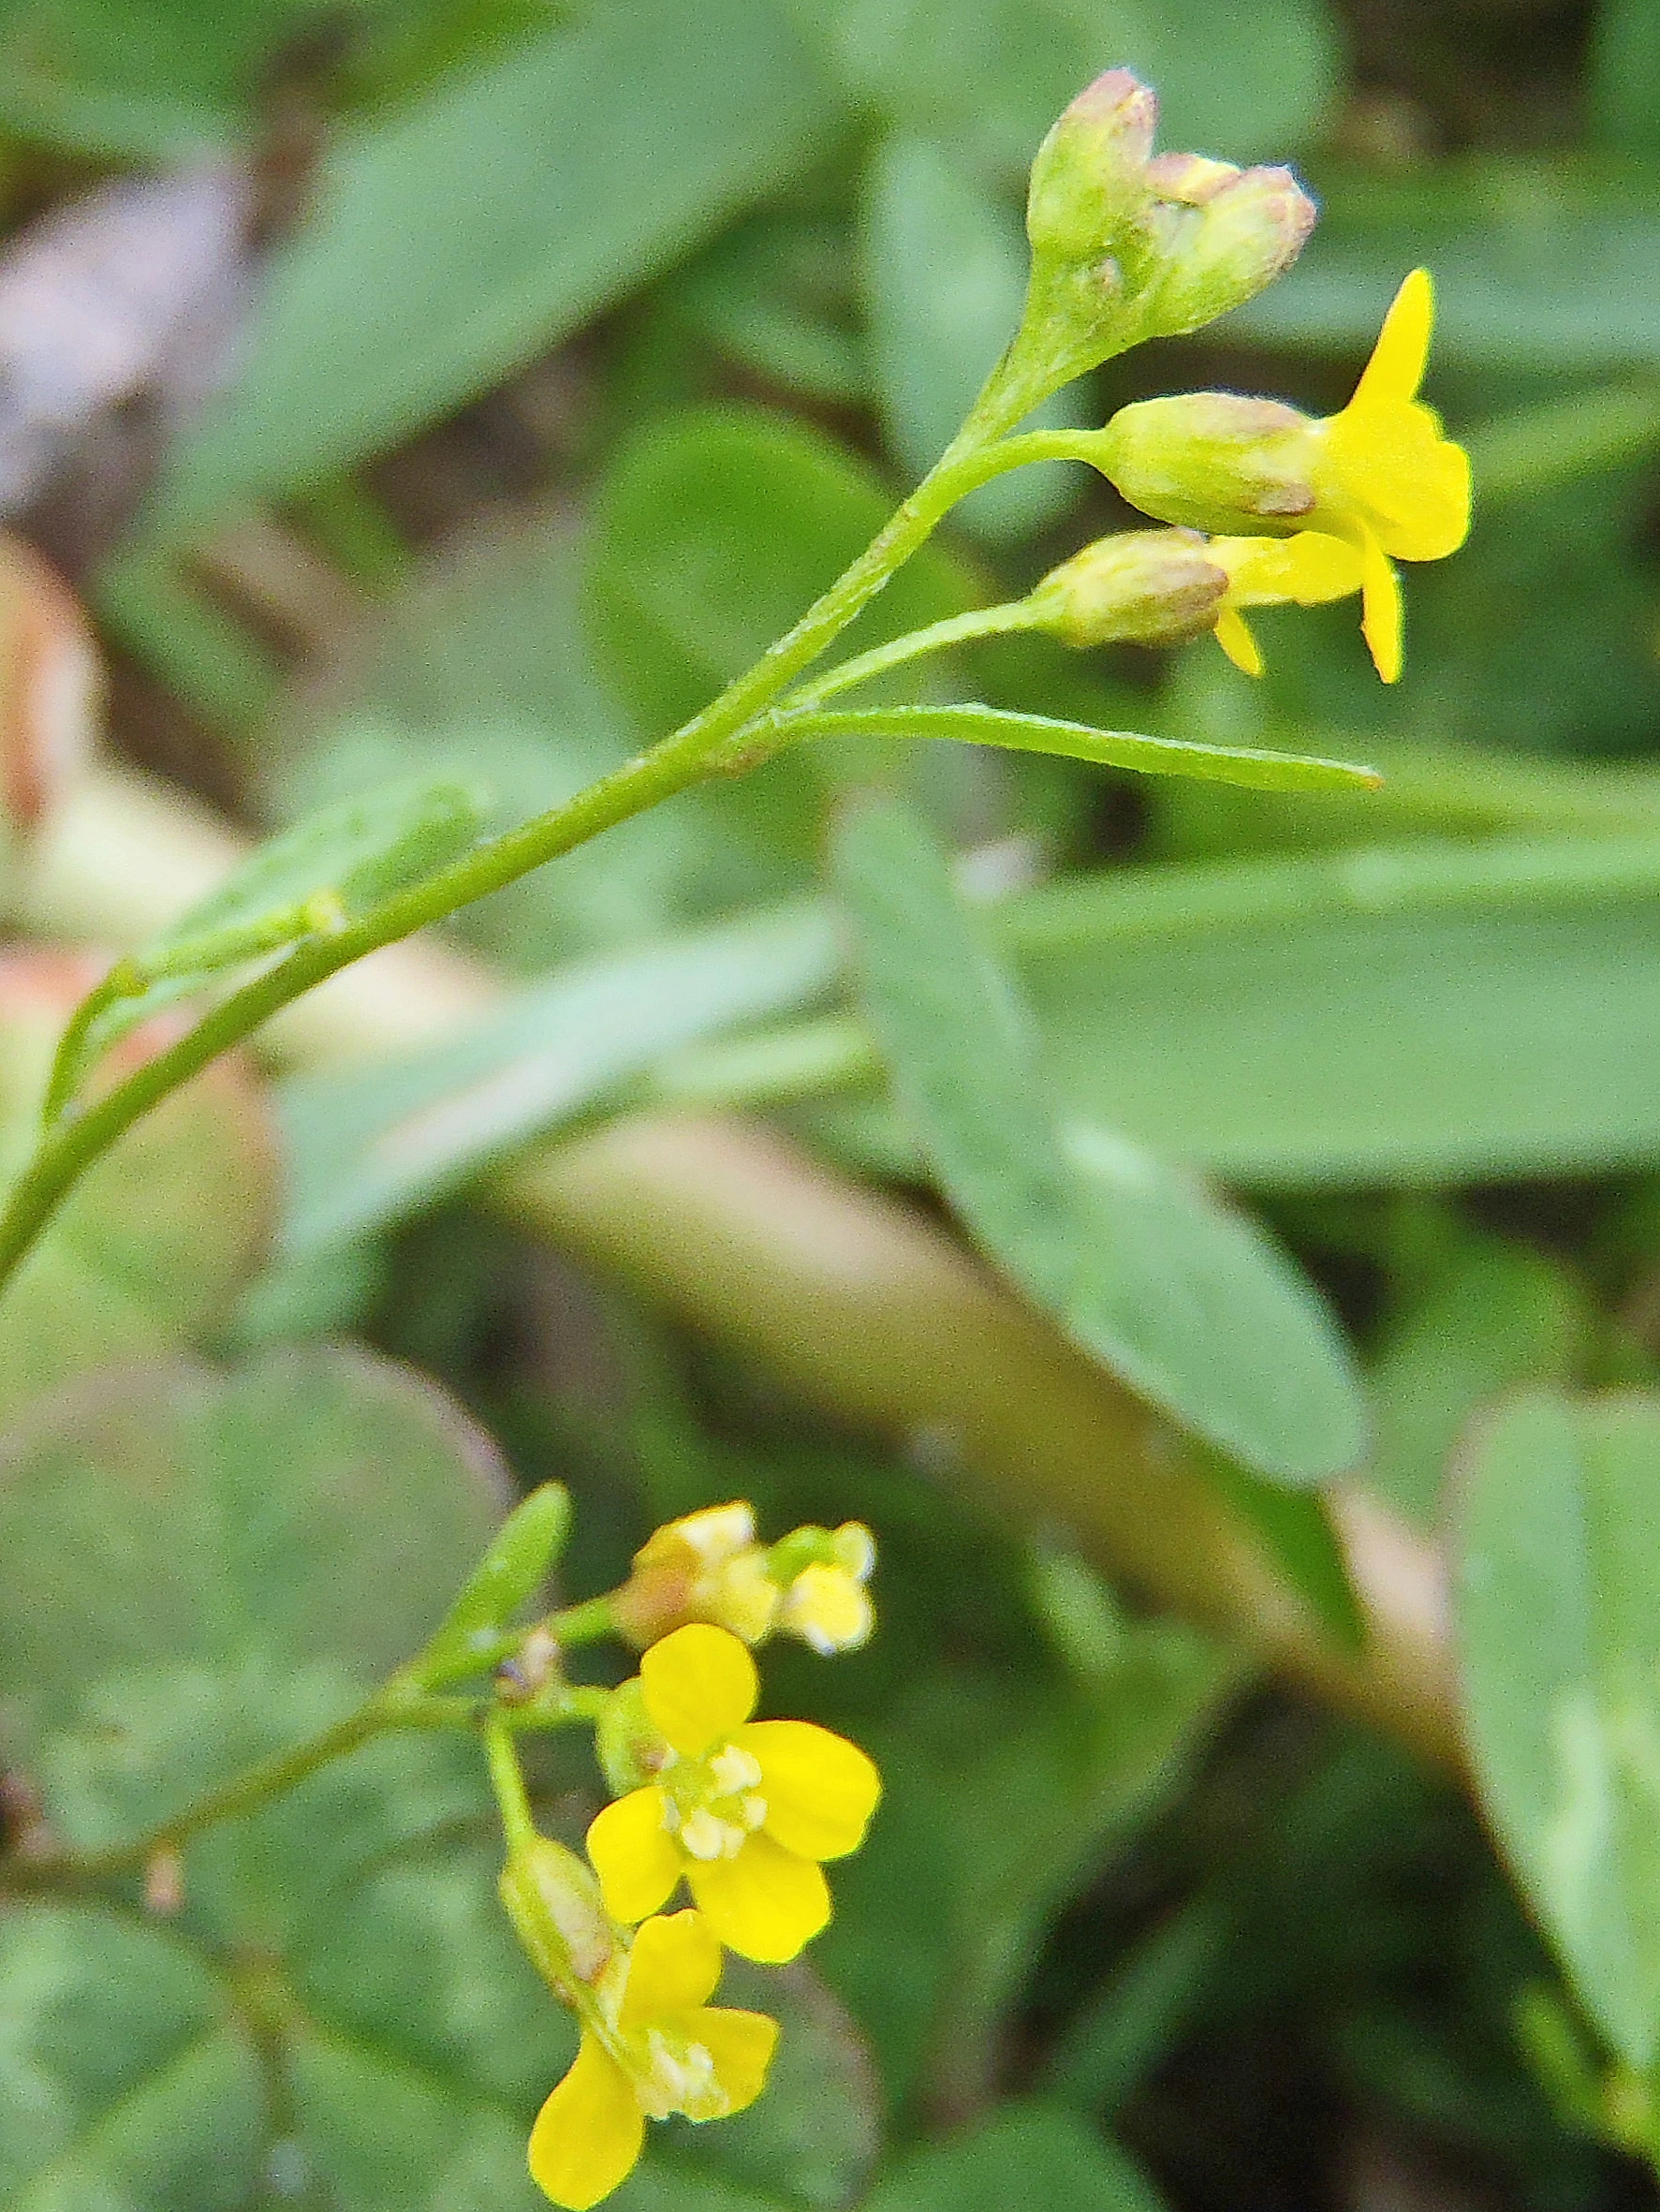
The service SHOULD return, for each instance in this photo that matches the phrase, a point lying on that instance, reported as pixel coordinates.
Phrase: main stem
(670, 767)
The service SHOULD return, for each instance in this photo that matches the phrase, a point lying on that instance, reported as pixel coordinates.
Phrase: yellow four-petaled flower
(652, 2045)
(745, 1810)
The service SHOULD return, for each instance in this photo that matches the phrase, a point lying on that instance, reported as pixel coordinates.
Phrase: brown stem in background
(866, 1307)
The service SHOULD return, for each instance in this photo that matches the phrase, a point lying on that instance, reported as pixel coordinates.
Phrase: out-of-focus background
(469, 387)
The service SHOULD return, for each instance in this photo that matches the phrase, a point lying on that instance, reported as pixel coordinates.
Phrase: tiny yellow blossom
(826, 1603)
(1379, 475)
(1304, 572)
(744, 1809)
(706, 1567)
(652, 2045)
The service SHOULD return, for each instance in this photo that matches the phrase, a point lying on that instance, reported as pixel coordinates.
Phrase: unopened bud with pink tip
(1090, 175)
(1223, 234)
(1141, 587)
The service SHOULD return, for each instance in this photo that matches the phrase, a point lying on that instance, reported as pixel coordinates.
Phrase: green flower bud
(1090, 174)
(1224, 234)
(629, 1749)
(1213, 462)
(554, 1904)
(1143, 587)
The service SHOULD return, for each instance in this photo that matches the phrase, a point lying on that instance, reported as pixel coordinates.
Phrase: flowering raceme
(1379, 476)
(652, 2045)
(745, 1810)
(708, 1567)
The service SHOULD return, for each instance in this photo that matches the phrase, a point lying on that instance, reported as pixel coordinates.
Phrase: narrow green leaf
(523, 1552)
(1182, 1297)
(1559, 1625)
(497, 214)
(1072, 740)
(366, 1147)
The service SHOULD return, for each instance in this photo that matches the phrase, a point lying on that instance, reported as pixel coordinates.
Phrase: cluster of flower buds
(743, 1812)
(708, 1567)
(1128, 244)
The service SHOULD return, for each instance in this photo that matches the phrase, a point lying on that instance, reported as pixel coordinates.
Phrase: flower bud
(629, 1749)
(705, 1566)
(1225, 233)
(823, 1573)
(1143, 587)
(554, 1904)
(1212, 461)
(1090, 174)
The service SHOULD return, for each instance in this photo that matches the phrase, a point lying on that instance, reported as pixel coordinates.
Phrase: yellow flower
(652, 2045)
(1271, 571)
(826, 1604)
(1385, 477)
(1379, 475)
(706, 1565)
(744, 1809)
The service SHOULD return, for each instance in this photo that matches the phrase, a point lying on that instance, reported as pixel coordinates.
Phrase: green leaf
(523, 1552)
(1559, 1624)
(1623, 93)
(1183, 1299)
(990, 76)
(1424, 1013)
(1071, 741)
(156, 1241)
(497, 214)
(366, 1147)
(1026, 2154)
(716, 531)
(1494, 1314)
(328, 870)
(944, 265)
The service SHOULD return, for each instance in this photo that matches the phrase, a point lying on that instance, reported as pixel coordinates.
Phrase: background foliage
(452, 394)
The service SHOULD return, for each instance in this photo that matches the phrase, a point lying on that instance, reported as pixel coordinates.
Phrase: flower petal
(766, 1903)
(589, 2132)
(672, 1967)
(741, 2045)
(634, 1855)
(698, 1685)
(1395, 368)
(1380, 616)
(1233, 634)
(820, 1790)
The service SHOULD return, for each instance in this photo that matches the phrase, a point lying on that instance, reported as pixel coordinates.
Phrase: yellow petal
(820, 1790)
(672, 1967)
(1381, 615)
(766, 1903)
(589, 2134)
(1395, 368)
(1266, 571)
(741, 2047)
(699, 1685)
(1234, 637)
(634, 1855)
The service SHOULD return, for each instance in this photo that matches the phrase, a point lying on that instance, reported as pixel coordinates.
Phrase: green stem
(956, 629)
(506, 1778)
(668, 768)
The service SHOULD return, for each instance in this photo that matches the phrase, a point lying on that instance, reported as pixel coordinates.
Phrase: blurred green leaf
(991, 75)
(1624, 76)
(497, 215)
(1494, 1314)
(522, 1554)
(1559, 1624)
(156, 1240)
(716, 531)
(943, 264)
(1030, 2153)
(1185, 1300)
(367, 1146)
(1393, 1016)
(1538, 265)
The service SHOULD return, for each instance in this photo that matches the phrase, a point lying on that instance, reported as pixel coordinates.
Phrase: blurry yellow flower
(1379, 476)
(744, 1809)
(652, 2045)
(1304, 570)
(826, 1603)
(706, 1565)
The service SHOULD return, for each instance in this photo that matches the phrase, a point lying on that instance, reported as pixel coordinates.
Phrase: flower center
(712, 1804)
(679, 2075)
